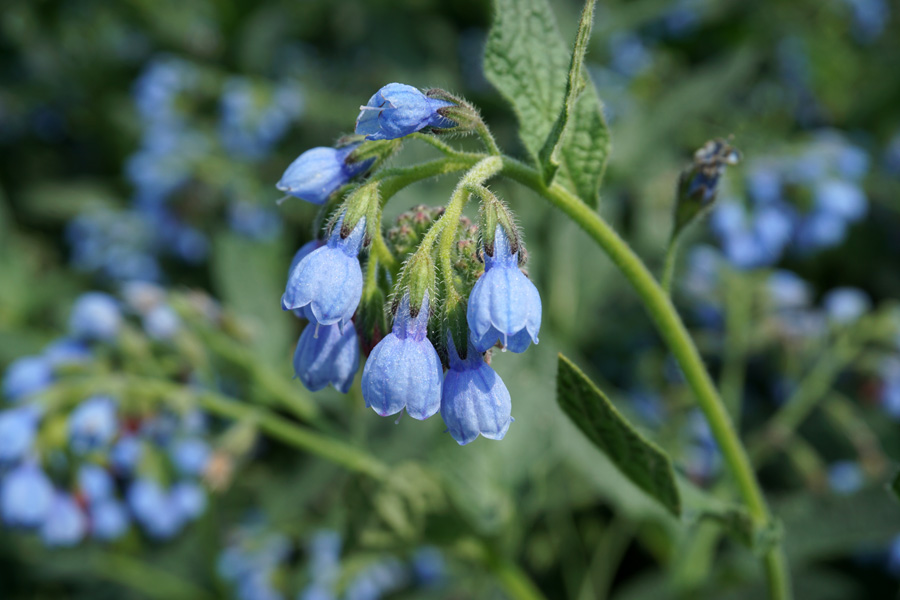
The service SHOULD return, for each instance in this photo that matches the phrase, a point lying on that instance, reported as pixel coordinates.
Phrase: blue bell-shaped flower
(319, 172)
(504, 305)
(404, 370)
(326, 355)
(327, 283)
(475, 400)
(397, 110)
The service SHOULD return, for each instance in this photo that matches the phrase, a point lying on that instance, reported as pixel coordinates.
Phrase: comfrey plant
(428, 300)
(460, 292)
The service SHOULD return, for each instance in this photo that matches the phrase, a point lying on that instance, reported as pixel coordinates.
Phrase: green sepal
(359, 204)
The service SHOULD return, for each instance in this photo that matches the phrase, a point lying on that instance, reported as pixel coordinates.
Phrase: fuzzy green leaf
(549, 154)
(526, 60)
(644, 463)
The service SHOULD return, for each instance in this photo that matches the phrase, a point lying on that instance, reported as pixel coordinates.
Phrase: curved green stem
(327, 447)
(738, 309)
(678, 339)
(395, 179)
(434, 142)
(449, 221)
(669, 266)
(812, 390)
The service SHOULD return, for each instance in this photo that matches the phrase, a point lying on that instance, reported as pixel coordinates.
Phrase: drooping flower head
(504, 305)
(475, 400)
(329, 279)
(304, 251)
(397, 110)
(404, 370)
(26, 375)
(95, 316)
(326, 355)
(319, 172)
(25, 496)
(65, 524)
(109, 519)
(93, 424)
(17, 431)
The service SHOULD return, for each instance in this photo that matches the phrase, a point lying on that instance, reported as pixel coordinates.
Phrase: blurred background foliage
(142, 140)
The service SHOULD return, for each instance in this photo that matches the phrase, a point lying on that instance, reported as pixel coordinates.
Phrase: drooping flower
(319, 172)
(328, 280)
(397, 110)
(845, 305)
(154, 509)
(188, 498)
(92, 424)
(17, 428)
(190, 455)
(25, 496)
(109, 519)
(504, 305)
(404, 370)
(475, 400)
(125, 454)
(95, 316)
(95, 483)
(65, 524)
(326, 355)
(161, 322)
(26, 375)
(304, 251)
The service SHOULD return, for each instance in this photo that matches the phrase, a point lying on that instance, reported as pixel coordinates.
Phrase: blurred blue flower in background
(846, 305)
(760, 233)
(26, 495)
(253, 121)
(845, 477)
(95, 316)
(25, 376)
(92, 425)
(65, 524)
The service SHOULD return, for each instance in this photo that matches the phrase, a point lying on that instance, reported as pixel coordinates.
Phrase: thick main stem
(680, 343)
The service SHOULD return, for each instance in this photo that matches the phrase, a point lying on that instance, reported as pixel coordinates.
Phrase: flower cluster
(254, 558)
(803, 203)
(177, 152)
(434, 328)
(74, 466)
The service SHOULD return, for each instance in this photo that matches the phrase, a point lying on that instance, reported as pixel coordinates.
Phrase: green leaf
(249, 277)
(585, 148)
(549, 154)
(526, 59)
(639, 459)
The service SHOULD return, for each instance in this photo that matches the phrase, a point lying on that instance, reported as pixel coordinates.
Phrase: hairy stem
(676, 336)
(814, 388)
(668, 273)
(280, 428)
